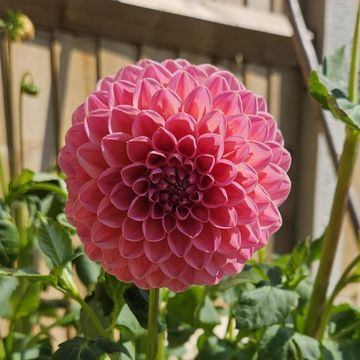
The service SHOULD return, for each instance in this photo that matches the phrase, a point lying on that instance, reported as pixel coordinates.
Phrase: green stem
(354, 65)
(329, 304)
(152, 337)
(332, 234)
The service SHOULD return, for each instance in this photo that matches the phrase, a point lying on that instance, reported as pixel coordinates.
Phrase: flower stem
(152, 337)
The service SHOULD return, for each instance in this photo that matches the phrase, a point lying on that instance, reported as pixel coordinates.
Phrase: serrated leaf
(264, 306)
(54, 241)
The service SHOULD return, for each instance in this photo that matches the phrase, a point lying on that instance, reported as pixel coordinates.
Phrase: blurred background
(79, 41)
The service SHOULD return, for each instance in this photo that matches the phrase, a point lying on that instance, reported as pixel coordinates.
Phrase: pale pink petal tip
(175, 173)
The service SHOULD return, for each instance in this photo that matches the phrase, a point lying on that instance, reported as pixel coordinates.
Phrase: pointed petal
(146, 123)
(132, 230)
(165, 102)
(179, 243)
(208, 240)
(198, 102)
(113, 147)
(122, 118)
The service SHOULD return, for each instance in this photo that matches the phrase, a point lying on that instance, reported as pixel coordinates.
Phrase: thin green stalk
(152, 336)
(339, 286)
(332, 234)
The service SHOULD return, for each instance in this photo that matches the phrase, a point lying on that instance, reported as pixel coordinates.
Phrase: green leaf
(127, 322)
(54, 241)
(9, 242)
(138, 302)
(7, 287)
(28, 274)
(80, 348)
(341, 350)
(343, 319)
(21, 180)
(208, 316)
(87, 270)
(280, 343)
(264, 306)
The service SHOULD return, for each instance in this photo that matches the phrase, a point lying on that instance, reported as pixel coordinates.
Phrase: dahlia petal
(198, 74)
(141, 267)
(180, 125)
(105, 83)
(66, 162)
(233, 82)
(247, 211)
(122, 118)
(141, 186)
(246, 177)
(122, 196)
(236, 149)
(130, 249)
(90, 195)
(182, 83)
(165, 102)
(249, 102)
(208, 68)
(78, 115)
(171, 65)
(173, 267)
(259, 128)
(238, 125)
(230, 241)
(189, 227)
(146, 122)
(121, 93)
(215, 197)
(270, 218)
(132, 230)
(97, 125)
(153, 230)
(204, 163)
(91, 159)
(113, 147)
(157, 211)
(202, 277)
(155, 159)
(175, 160)
(138, 148)
(206, 181)
(177, 286)
(200, 213)
(157, 280)
(229, 102)
(224, 172)
(104, 236)
(187, 146)
(109, 215)
(261, 103)
(198, 102)
(108, 179)
(129, 73)
(197, 259)
(212, 122)
(211, 144)
(216, 263)
(235, 193)
(139, 209)
(75, 137)
(156, 175)
(132, 172)
(156, 71)
(260, 197)
(182, 212)
(169, 223)
(179, 243)
(208, 240)
(232, 268)
(123, 274)
(250, 234)
(84, 216)
(260, 155)
(112, 258)
(144, 91)
(163, 140)
(217, 84)
(223, 217)
(97, 100)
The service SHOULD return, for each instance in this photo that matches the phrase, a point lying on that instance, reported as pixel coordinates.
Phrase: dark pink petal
(204, 163)
(211, 144)
(175, 160)
(198, 102)
(122, 118)
(78, 115)
(109, 215)
(90, 196)
(197, 259)
(75, 137)
(212, 122)
(177, 286)
(138, 148)
(259, 128)
(132, 172)
(180, 125)
(235, 193)
(157, 252)
(270, 218)
(169, 223)
(187, 146)
(229, 102)
(208, 240)
(236, 149)
(97, 125)
(141, 267)
(215, 197)
(122, 196)
(232, 269)
(91, 159)
(247, 211)
(153, 230)
(246, 177)
(141, 186)
(157, 280)
(182, 83)
(249, 102)
(205, 181)
(250, 234)
(163, 140)
(261, 103)
(130, 249)
(144, 91)
(200, 213)
(260, 197)
(121, 93)
(238, 125)
(179, 243)
(129, 73)
(104, 236)
(171, 65)
(156, 175)
(96, 100)
(216, 263)
(156, 71)
(146, 123)
(224, 172)
(157, 211)
(223, 217)
(139, 209)
(155, 159)
(108, 179)
(260, 155)
(173, 267)
(113, 147)
(84, 216)
(190, 227)
(230, 241)
(132, 230)
(165, 102)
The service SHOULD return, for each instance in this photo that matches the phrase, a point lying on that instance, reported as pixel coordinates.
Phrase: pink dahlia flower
(175, 173)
